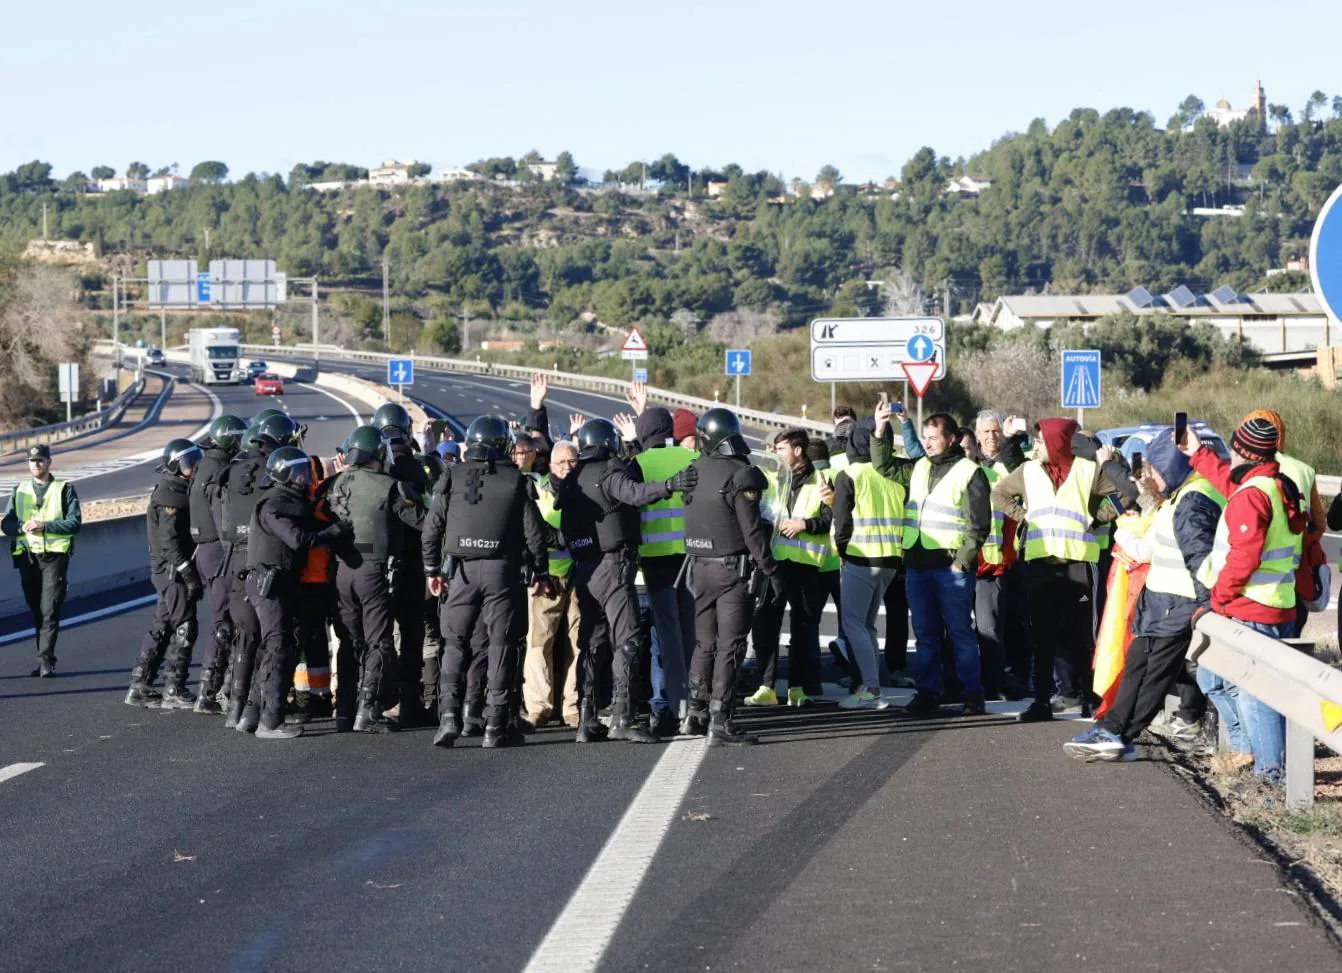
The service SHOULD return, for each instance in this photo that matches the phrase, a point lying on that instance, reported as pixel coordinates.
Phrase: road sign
(67, 376)
(400, 371)
(1080, 379)
(875, 349)
(203, 288)
(738, 361)
(640, 374)
(275, 331)
(1325, 256)
(634, 347)
(919, 375)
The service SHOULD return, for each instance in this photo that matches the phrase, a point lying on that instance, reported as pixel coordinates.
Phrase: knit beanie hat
(1256, 438)
(1273, 417)
(683, 423)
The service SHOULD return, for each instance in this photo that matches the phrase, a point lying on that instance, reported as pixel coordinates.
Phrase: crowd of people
(612, 576)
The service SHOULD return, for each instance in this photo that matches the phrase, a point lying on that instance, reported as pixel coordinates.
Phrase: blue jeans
(943, 599)
(672, 611)
(862, 591)
(1266, 728)
(1225, 697)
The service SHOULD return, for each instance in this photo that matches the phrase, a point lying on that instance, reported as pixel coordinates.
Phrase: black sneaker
(1036, 712)
(922, 705)
(974, 704)
(44, 671)
(664, 724)
(142, 695)
(722, 733)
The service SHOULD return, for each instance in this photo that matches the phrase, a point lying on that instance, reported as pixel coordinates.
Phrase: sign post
(737, 362)
(1081, 382)
(400, 372)
(634, 350)
(67, 377)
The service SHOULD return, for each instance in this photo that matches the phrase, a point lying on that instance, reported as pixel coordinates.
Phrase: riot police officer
(723, 534)
(599, 519)
(173, 630)
(283, 527)
(239, 490)
(221, 445)
(482, 525)
(382, 512)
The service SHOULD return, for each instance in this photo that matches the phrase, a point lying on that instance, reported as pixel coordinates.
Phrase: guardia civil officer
(599, 505)
(723, 536)
(283, 527)
(409, 591)
(482, 526)
(221, 445)
(239, 490)
(172, 633)
(382, 513)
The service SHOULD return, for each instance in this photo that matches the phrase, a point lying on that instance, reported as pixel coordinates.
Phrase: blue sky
(787, 86)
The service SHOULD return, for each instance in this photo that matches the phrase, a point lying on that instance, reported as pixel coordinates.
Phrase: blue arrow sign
(640, 374)
(400, 371)
(738, 361)
(203, 288)
(1325, 256)
(1080, 379)
(920, 348)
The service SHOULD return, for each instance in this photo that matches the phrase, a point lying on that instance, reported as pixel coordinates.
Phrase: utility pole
(44, 222)
(163, 326)
(946, 300)
(316, 350)
(116, 323)
(386, 304)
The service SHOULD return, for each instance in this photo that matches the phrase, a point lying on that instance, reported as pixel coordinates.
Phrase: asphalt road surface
(142, 840)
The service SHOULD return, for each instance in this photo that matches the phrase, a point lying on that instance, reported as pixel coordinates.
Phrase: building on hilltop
(391, 173)
(161, 184)
(544, 171)
(1272, 323)
(966, 186)
(122, 184)
(1225, 116)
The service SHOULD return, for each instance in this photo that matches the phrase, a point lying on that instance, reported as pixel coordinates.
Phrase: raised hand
(540, 387)
(638, 397)
(575, 422)
(624, 424)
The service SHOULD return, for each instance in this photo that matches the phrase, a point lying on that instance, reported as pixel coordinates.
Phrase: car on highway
(1133, 439)
(268, 384)
(154, 356)
(256, 369)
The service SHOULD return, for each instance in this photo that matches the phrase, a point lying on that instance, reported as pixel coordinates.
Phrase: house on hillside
(544, 171)
(161, 184)
(119, 184)
(391, 173)
(716, 189)
(966, 186)
(455, 174)
(1225, 116)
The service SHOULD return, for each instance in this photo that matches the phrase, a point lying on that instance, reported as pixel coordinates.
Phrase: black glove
(776, 587)
(684, 481)
(191, 578)
(335, 534)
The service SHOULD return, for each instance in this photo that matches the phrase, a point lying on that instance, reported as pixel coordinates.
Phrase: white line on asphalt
(85, 618)
(332, 395)
(580, 935)
(13, 770)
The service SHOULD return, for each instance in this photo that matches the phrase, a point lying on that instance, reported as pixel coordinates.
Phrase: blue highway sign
(920, 348)
(203, 288)
(738, 361)
(400, 371)
(1325, 255)
(1080, 379)
(640, 374)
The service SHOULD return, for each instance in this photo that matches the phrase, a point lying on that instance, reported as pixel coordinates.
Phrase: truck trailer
(215, 355)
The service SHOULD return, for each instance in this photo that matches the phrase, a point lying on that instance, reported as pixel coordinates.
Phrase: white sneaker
(864, 699)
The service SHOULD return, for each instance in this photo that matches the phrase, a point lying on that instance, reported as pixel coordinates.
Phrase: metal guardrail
(59, 431)
(1297, 686)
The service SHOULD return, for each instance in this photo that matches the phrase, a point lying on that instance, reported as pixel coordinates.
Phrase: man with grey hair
(1000, 617)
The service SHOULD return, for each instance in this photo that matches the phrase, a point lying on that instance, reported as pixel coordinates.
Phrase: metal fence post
(1299, 767)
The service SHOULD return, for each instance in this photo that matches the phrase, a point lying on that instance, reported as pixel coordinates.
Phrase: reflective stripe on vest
(879, 517)
(561, 562)
(832, 560)
(938, 518)
(1273, 583)
(992, 547)
(26, 508)
(1059, 523)
(1169, 572)
(662, 524)
(805, 548)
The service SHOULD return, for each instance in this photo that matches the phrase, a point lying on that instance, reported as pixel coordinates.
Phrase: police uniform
(239, 490)
(210, 563)
(481, 523)
(381, 513)
(409, 593)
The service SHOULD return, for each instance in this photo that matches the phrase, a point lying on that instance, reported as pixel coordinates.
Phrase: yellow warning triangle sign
(634, 342)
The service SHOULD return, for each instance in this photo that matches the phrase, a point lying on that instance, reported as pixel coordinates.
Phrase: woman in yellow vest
(42, 517)
(1060, 498)
(1162, 626)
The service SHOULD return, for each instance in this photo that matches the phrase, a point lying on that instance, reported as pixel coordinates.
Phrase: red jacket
(1247, 516)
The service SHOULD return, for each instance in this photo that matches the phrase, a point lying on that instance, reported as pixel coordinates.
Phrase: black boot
(474, 723)
(590, 729)
(448, 731)
(502, 736)
(141, 693)
(695, 723)
(281, 731)
(369, 720)
(205, 701)
(250, 718)
(176, 695)
(722, 733)
(625, 727)
(233, 714)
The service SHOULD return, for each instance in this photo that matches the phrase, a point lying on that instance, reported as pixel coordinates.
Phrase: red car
(268, 384)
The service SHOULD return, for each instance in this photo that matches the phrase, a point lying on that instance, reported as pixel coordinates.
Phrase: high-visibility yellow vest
(805, 548)
(1059, 522)
(662, 524)
(832, 561)
(561, 562)
(880, 518)
(52, 507)
(992, 548)
(1273, 583)
(938, 518)
(1301, 474)
(838, 462)
(1169, 573)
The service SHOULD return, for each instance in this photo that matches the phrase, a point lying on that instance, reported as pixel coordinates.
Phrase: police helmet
(718, 433)
(226, 433)
(488, 438)
(275, 431)
(180, 456)
(265, 414)
(290, 467)
(392, 421)
(598, 439)
(365, 445)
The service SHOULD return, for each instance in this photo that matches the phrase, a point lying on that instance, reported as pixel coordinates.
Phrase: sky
(786, 87)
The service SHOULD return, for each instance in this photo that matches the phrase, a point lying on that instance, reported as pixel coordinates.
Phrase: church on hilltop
(1224, 115)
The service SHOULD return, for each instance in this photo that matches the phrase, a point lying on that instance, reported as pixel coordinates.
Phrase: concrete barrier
(107, 554)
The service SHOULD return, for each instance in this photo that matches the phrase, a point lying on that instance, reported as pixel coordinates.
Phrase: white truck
(215, 355)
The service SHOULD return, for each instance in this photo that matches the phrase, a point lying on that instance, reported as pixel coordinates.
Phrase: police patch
(751, 494)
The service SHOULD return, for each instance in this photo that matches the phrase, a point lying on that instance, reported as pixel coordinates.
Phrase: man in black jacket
(173, 630)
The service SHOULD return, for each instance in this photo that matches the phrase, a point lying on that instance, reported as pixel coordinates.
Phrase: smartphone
(1180, 427)
(1136, 464)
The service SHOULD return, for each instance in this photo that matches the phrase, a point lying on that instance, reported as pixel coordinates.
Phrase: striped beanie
(1276, 420)
(1256, 439)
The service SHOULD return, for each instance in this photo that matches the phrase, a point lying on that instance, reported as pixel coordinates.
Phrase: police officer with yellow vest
(724, 538)
(1060, 498)
(947, 518)
(661, 552)
(800, 544)
(1181, 533)
(42, 516)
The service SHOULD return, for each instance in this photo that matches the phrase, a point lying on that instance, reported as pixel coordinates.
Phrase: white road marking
(13, 770)
(583, 931)
(92, 616)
